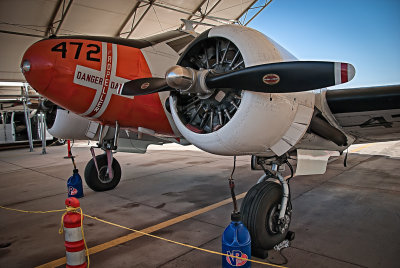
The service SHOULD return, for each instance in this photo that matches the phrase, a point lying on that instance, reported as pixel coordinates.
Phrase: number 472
(62, 48)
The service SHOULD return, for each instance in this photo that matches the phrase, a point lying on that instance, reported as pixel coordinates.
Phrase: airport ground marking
(361, 147)
(151, 229)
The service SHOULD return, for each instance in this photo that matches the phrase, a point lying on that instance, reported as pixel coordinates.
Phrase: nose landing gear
(103, 172)
(266, 209)
(101, 180)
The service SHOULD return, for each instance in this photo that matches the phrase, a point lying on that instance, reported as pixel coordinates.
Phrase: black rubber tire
(92, 179)
(257, 204)
(60, 142)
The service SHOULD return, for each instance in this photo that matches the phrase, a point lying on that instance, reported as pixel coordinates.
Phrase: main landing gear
(266, 209)
(103, 172)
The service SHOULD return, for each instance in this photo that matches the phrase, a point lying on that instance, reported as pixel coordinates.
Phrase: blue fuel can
(74, 185)
(236, 241)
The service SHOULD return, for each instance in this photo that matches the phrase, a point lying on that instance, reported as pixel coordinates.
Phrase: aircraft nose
(37, 65)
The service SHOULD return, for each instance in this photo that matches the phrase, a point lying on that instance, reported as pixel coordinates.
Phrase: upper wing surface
(371, 114)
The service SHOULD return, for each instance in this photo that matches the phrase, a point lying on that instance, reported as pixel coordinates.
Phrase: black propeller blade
(144, 86)
(284, 77)
(281, 77)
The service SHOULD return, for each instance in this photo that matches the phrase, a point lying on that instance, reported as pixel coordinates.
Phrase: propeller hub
(180, 78)
(188, 80)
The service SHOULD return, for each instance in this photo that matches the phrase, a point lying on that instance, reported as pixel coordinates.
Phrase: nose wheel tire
(102, 182)
(260, 213)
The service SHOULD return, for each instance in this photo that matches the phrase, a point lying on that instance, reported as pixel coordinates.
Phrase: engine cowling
(230, 122)
(64, 124)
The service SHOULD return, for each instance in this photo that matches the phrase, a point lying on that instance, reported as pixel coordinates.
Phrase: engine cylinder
(262, 123)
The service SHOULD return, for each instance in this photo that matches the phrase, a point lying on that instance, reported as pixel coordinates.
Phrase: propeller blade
(144, 86)
(284, 77)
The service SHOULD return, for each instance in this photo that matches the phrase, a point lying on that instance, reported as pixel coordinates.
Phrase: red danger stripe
(343, 73)
(106, 83)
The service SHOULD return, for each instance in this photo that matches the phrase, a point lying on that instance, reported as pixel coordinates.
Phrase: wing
(370, 114)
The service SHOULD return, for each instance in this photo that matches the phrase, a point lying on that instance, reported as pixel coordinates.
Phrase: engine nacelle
(67, 125)
(259, 122)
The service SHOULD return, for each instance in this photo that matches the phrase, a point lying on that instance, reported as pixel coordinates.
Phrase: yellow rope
(182, 244)
(32, 211)
(67, 209)
(84, 240)
(60, 231)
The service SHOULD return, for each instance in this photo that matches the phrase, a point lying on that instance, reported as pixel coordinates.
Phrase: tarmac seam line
(362, 187)
(187, 252)
(31, 169)
(329, 257)
(152, 174)
(328, 180)
(31, 200)
(163, 210)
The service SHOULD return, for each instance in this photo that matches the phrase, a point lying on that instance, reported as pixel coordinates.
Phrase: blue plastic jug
(74, 185)
(236, 241)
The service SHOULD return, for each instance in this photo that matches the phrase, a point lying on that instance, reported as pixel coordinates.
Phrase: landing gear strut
(103, 172)
(266, 209)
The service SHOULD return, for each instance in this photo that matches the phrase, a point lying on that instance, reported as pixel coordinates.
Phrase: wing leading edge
(371, 114)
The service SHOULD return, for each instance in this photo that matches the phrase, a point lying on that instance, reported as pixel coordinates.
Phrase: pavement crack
(10, 171)
(329, 180)
(187, 252)
(162, 172)
(34, 170)
(30, 200)
(174, 214)
(362, 187)
(326, 256)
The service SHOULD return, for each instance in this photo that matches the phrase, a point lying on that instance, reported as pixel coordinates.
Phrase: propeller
(281, 77)
(144, 86)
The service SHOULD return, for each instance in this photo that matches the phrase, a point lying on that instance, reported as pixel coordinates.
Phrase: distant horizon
(363, 33)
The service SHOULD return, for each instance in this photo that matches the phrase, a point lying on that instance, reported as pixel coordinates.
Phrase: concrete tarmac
(348, 217)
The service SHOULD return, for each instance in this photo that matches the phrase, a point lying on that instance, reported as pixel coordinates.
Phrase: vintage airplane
(229, 91)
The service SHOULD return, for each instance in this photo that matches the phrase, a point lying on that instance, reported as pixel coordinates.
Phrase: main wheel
(102, 182)
(260, 214)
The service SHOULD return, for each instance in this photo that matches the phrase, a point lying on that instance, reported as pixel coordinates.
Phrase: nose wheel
(102, 181)
(103, 172)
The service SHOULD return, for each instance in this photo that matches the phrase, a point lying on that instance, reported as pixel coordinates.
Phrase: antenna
(189, 24)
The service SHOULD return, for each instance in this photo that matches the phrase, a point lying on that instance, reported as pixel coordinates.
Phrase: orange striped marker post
(74, 243)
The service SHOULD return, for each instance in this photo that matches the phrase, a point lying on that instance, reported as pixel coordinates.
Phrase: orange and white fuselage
(86, 77)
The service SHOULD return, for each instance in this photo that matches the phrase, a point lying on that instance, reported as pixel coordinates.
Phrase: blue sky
(364, 33)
